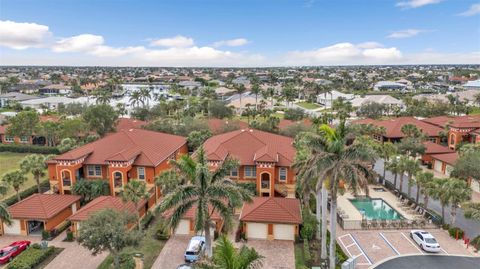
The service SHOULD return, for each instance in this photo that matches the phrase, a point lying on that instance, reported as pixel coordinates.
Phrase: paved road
(431, 262)
(471, 227)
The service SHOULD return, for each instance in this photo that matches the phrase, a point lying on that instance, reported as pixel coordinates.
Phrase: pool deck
(355, 216)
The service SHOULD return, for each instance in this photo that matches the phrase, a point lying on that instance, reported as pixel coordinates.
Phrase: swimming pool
(376, 209)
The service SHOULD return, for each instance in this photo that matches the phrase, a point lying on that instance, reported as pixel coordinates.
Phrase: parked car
(195, 249)
(425, 240)
(8, 253)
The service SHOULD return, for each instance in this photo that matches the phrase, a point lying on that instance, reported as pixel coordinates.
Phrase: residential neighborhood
(239, 134)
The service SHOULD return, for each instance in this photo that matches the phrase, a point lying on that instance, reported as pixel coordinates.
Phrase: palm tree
(412, 168)
(228, 256)
(145, 96)
(472, 211)
(15, 179)
(135, 98)
(103, 96)
(240, 88)
(35, 164)
(440, 193)
(458, 192)
(386, 151)
(393, 166)
(135, 191)
(335, 159)
(256, 90)
(424, 185)
(402, 168)
(208, 192)
(4, 214)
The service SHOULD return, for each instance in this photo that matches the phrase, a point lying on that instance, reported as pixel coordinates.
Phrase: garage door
(257, 230)
(283, 232)
(12, 229)
(438, 166)
(183, 227)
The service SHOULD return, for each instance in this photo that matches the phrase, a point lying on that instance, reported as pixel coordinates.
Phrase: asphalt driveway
(171, 255)
(431, 261)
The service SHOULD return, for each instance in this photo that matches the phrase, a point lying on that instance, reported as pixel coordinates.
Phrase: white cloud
(472, 11)
(231, 42)
(178, 41)
(344, 53)
(22, 35)
(79, 43)
(406, 33)
(416, 3)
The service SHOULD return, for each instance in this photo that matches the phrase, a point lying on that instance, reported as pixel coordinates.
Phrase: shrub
(69, 236)
(27, 192)
(446, 226)
(476, 242)
(126, 261)
(30, 258)
(453, 232)
(147, 220)
(162, 231)
(306, 252)
(294, 114)
(28, 149)
(45, 235)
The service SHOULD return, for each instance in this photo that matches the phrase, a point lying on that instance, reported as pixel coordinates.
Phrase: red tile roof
(249, 145)
(104, 202)
(468, 121)
(147, 147)
(449, 158)
(272, 210)
(393, 126)
(41, 206)
(434, 148)
(127, 124)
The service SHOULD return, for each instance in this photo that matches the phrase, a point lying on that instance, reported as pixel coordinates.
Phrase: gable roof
(42, 206)
(104, 202)
(249, 145)
(272, 210)
(148, 148)
(449, 158)
(467, 121)
(434, 148)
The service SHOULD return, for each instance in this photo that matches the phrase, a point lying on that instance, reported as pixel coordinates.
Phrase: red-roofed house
(186, 226)
(462, 129)
(271, 218)
(433, 149)
(105, 202)
(265, 159)
(125, 124)
(443, 163)
(40, 212)
(118, 158)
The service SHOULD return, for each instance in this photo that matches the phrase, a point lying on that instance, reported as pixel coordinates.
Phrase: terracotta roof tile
(272, 210)
(104, 202)
(449, 158)
(248, 146)
(434, 148)
(41, 206)
(127, 124)
(393, 127)
(150, 148)
(467, 121)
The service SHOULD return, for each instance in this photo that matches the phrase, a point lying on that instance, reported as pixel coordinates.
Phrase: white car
(425, 240)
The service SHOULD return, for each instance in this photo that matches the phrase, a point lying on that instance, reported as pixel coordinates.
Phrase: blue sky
(239, 32)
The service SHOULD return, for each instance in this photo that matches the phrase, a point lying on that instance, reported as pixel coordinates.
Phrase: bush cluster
(28, 149)
(453, 232)
(31, 257)
(162, 231)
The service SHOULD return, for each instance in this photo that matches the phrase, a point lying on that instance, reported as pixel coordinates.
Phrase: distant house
(389, 86)
(190, 84)
(327, 98)
(265, 159)
(472, 85)
(40, 212)
(52, 102)
(443, 163)
(133, 154)
(55, 89)
(271, 218)
(386, 100)
(433, 149)
(12, 97)
(461, 129)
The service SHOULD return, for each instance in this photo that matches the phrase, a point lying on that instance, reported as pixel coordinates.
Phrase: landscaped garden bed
(32, 257)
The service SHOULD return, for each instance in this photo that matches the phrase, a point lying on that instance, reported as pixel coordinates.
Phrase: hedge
(28, 149)
(31, 257)
(27, 192)
(452, 231)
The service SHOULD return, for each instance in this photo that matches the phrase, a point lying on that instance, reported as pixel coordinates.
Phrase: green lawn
(10, 161)
(475, 111)
(308, 105)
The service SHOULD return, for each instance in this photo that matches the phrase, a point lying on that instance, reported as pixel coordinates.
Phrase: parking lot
(371, 247)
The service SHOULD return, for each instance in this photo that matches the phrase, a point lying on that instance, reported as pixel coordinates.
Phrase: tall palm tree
(256, 90)
(412, 168)
(424, 185)
(402, 168)
(458, 192)
(145, 96)
(35, 164)
(337, 160)
(15, 179)
(393, 167)
(103, 96)
(227, 256)
(440, 193)
(240, 88)
(4, 214)
(208, 192)
(472, 211)
(135, 191)
(386, 151)
(135, 98)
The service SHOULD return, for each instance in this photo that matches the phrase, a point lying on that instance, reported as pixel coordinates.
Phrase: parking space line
(415, 245)
(444, 251)
(346, 248)
(361, 249)
(352, 244)
(355, 243)
(388, 243)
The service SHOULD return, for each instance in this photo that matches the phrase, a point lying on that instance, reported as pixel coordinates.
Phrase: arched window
(66, 178)
(452, 139)
(117, 179)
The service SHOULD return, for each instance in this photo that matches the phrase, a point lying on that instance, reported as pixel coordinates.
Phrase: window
(24, 139)
(234, 172)
(141, 173)
(250, 171)
(282, 174)
(9, 139)
(94, 170)
(432, 139)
